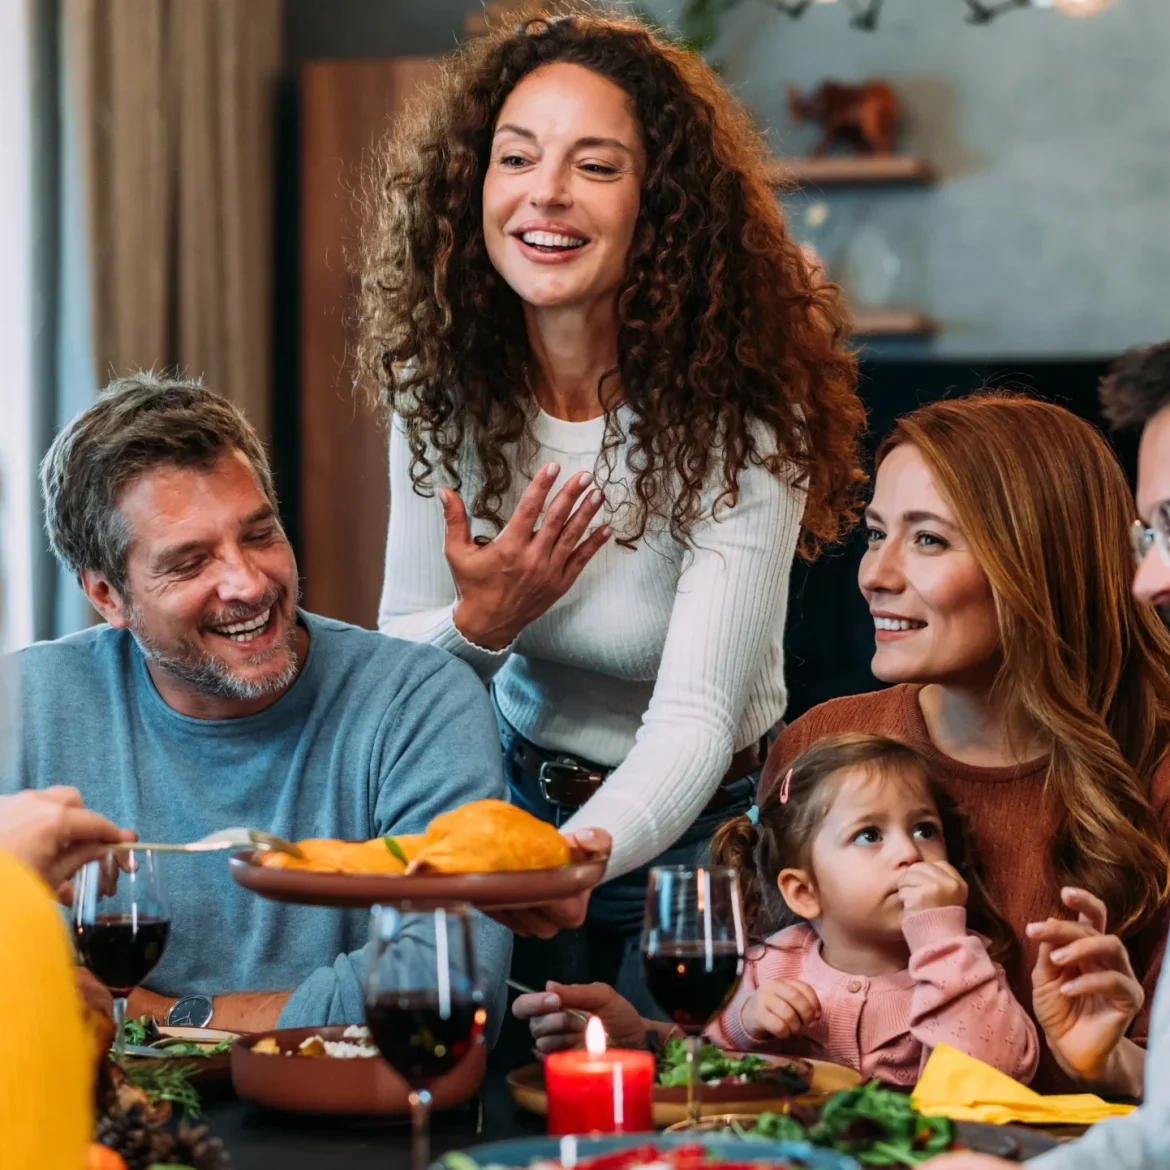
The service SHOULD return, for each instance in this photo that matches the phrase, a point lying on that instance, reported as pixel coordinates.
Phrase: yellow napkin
(962, 1088)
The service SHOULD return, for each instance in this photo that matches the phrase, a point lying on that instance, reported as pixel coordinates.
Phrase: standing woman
(604, 353)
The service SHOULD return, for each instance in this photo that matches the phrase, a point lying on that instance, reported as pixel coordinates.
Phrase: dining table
(258, 1139)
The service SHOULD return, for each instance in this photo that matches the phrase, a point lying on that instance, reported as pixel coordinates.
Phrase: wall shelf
(892, 323)
(866, 170)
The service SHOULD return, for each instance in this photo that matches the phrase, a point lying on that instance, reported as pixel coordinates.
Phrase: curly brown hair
(721, 322)
(1136, 387)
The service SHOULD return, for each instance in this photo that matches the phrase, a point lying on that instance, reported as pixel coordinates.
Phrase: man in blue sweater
(209, 699)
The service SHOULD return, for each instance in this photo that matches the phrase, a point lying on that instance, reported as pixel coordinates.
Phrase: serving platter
(514, 890)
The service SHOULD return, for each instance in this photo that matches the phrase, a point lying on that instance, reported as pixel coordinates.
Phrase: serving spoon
(213, 842)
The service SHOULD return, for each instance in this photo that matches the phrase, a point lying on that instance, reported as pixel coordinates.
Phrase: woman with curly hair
(577, 287)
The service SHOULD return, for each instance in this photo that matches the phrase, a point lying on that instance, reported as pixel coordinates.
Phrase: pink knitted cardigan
(886, 1026)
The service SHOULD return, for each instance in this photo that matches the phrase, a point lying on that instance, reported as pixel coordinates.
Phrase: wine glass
(692, 950)
(122, 921)
(424, 1006)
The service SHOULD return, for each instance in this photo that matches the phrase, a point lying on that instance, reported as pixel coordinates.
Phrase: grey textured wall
(1050, 231)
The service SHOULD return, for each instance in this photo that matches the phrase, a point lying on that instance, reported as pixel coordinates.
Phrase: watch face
(193, 1011)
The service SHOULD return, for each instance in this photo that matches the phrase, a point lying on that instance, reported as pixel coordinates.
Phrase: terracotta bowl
(338, 1087)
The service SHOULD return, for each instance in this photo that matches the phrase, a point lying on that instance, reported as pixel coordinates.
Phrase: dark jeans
(606, 948)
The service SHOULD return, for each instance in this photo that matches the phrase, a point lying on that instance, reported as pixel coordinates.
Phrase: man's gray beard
(209, 675)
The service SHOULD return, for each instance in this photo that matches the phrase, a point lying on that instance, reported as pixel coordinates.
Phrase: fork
(580, 1017)
(222, 839)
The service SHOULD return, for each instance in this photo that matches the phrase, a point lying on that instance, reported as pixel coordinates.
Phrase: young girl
(859, 862)
(859, 866)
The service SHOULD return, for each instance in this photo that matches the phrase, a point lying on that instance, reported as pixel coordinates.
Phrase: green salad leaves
(877, 1126)
(714, 1064)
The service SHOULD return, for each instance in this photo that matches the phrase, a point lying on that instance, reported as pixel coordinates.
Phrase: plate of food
(730, 1082)
(877, 1126)
(488, 853)
(645, 1152)
(338, 1072)
(207, 1050)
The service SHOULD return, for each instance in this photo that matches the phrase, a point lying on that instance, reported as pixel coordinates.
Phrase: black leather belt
(567, 782)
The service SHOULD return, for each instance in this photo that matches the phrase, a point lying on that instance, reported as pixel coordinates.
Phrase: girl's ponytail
(734, 845)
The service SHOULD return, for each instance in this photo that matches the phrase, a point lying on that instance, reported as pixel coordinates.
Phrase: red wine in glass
(424, 1006)
(122, 949)
(692, 982)
(121, 923)
(422, 1039)
(692, 950)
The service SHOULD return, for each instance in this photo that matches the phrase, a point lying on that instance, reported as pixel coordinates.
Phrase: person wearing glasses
(998, 575)
(1136, 394)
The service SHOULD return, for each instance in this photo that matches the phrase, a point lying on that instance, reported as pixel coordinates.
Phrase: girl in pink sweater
(859, 870)
(862, 862)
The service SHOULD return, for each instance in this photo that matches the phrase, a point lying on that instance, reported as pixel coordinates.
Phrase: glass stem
(420, 1129)
(694, 1111)
(119, 1028)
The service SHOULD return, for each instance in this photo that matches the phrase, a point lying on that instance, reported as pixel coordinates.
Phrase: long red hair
(1040, 496)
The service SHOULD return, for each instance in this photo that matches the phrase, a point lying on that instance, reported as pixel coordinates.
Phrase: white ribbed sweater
(660, 662)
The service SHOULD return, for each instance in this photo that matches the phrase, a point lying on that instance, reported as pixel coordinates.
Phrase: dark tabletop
(259, 1140)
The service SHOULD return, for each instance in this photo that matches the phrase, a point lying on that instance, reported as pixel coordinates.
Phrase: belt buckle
(554, 772)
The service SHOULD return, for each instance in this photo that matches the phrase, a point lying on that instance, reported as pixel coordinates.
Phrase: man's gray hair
(138, 423)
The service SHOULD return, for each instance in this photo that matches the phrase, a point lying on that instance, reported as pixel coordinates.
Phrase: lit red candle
(599, 1090)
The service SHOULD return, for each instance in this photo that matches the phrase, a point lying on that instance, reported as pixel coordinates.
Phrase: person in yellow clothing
(47, 1057)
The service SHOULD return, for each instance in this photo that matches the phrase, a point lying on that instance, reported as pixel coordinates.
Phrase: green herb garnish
(144, 1032)
(164, 1080)
(190, 1048)
(396, 849)
(136, 1031)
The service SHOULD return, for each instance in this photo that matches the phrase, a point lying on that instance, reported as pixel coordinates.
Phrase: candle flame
(595, 1036)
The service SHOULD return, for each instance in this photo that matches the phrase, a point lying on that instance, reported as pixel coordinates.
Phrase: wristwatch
(192, 1011)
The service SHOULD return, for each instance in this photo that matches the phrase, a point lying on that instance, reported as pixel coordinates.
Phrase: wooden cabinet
(345, 108)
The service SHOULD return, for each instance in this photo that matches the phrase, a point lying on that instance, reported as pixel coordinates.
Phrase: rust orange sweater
(1011, 825)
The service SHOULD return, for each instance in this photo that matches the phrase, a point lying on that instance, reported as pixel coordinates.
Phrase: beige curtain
(175, 100)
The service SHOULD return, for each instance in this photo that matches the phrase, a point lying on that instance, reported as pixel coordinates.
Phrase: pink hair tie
(784, 787)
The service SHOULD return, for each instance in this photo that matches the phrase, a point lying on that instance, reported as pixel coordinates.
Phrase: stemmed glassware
(121, 922)
(424, 1005)
(693, 943)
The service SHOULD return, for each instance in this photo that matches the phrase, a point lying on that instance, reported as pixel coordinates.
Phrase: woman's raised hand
(1084, 992)
(510, 582)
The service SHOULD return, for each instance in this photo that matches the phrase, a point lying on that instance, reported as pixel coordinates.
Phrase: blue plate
(522, 1151)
